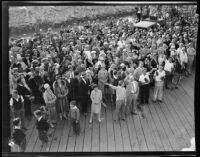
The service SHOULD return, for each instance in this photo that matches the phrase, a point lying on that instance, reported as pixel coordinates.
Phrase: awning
(144, 24)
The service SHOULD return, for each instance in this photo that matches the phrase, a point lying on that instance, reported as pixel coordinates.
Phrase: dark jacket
(18, 136)
(75, 89)
(70, 88)
(84, 88)
(42, 125)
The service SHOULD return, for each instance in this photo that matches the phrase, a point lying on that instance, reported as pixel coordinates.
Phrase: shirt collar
(39, 118)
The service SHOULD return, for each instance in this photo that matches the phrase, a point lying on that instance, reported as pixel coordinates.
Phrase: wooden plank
(175, 129)
(110, 130)
(161, 131)
(179, 112)
(140, 134)
(87, 136)
(32, 140)
(118, 136)
(148, 136)
(46, 148)
(71, 141)
(187, 103)
(132, 134)
(103, 132)
(95, 136)
(80, 138)
(181, 92)
(188, 90)
(30, 130)
(181, 126)
(57, 135)
(64, 136)
(167, 128)
(158, 143)
(125, 136)
(181, 105)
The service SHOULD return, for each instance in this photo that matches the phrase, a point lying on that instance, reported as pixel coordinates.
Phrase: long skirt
(62, 105)
(158, 90)
(52, 113)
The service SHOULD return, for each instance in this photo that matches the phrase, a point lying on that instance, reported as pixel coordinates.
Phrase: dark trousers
(168, 78)
(76, 126)
(27, 107)
(43, 136)
(144, 93)
(23, 145)
(84, 104)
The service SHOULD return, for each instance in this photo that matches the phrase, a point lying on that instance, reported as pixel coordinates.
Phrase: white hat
(46, 85)
(93, 52)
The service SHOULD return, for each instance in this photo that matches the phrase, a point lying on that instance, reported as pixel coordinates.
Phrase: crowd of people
(79, 69)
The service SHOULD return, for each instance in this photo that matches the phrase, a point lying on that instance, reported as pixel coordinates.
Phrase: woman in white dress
(96, 97)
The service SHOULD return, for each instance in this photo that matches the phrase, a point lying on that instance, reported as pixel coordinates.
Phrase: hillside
(29, 18)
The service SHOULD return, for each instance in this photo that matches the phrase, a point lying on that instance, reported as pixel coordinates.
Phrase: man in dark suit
(24, 90)
(84, 91)
(75, 86)
(35, 82)
(69, 84)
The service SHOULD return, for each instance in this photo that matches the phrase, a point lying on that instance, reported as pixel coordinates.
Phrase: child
(42, 126)
(18, 141)
(74, 115)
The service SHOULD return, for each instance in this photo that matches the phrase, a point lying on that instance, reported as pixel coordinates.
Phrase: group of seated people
(94, 63)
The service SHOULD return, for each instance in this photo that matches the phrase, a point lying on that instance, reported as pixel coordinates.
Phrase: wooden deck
(166, 127)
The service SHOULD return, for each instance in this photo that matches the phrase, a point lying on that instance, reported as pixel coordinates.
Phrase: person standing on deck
(191, 55)
(132, 91)
(159, 76)
(102, 79)
(144, 81)
(120, 100)
(17, 107)
(96, 97)
(50, 100)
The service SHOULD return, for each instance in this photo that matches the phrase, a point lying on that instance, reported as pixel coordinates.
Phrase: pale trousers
(120, 110)
(131, 103)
